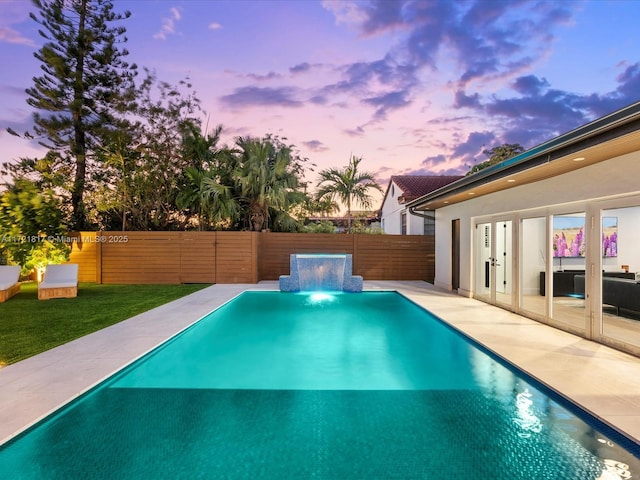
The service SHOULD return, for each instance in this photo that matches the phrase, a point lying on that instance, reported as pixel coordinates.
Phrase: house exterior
(395, 218)
(552, 234)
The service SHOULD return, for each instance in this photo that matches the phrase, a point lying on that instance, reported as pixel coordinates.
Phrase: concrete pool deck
(601, 380)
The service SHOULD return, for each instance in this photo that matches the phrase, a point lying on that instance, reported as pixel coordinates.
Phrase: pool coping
(601, 380)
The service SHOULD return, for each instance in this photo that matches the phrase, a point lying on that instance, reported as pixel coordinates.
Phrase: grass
(29, 326)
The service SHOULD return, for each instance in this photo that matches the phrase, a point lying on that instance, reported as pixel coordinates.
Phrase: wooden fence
(241, 257)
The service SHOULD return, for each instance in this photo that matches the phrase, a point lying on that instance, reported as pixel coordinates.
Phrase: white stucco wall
(391, 211)
(565, 193)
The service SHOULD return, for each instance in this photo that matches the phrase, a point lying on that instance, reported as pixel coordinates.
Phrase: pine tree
(83, 90)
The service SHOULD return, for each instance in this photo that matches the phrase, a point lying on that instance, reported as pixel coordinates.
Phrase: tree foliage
(135, 156)
(212, 186)
(145, 165)
(314, 207)
(82, 93)
(349, 185)
(268, 182)
(322, 226)
(31, 226)
(362, 227)
(498, 155)
(255, 185)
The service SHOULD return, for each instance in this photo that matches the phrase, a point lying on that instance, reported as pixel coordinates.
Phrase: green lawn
(29, 326)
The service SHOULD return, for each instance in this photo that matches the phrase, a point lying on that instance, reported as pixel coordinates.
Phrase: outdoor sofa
(9, 285)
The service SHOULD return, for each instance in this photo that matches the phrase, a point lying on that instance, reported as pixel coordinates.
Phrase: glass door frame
(506, 257)
(597, 322)
(558, 315)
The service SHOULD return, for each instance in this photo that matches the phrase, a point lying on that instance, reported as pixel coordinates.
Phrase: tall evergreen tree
(83, 89)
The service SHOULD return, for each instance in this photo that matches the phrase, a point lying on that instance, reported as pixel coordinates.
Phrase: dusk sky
(414, 87)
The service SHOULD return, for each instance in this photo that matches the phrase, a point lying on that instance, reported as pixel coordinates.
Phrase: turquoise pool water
(342, 386)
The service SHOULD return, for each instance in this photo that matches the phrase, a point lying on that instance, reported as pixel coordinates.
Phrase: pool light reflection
(526, 419)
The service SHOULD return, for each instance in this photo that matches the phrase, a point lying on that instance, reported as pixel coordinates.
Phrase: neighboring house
(553, 233)
(402, 189)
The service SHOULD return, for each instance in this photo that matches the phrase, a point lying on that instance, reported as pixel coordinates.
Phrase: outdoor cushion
(60, 281)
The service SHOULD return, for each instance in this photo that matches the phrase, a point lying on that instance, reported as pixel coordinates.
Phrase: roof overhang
(608, 137)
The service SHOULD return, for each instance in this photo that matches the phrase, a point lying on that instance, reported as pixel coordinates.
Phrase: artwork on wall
(609, 236)
(569, 241)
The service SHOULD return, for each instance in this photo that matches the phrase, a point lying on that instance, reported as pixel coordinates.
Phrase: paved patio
(601, 380)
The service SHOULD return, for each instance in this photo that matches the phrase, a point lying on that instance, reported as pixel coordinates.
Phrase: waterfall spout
(320, 272)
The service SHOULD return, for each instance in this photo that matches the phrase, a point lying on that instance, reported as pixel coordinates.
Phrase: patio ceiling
(580, 148)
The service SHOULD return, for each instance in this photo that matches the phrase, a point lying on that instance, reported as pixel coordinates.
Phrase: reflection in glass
(568, 276)
(620, 267)
(532, 268)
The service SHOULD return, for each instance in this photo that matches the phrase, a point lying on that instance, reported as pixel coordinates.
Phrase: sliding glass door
(569, 278)
(578, 269)
(619, 296)
(533, 266)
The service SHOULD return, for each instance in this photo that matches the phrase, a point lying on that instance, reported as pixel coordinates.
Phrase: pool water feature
(322, 385)
(320, 272)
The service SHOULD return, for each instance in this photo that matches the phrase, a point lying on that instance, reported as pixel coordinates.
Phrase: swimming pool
(281, 385)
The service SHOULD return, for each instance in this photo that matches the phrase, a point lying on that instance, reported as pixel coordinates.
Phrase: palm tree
(266, 179)
(208, 198)
(201, 150)
(348, 185)
(205, 187)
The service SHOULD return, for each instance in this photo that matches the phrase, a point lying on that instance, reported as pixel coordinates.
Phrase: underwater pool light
(319, 297)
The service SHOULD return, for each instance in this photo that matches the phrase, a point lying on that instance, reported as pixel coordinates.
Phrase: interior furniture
(618, 292)
(563, 284)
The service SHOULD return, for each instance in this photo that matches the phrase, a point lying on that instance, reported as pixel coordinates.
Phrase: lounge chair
(60, 281)
(9, 286)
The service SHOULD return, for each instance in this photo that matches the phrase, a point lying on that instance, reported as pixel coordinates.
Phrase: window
(403, 223)
(429, 225)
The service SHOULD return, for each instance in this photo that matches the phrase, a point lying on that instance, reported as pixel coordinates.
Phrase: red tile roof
(415, 186)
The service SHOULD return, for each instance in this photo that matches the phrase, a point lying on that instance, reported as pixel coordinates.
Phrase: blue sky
(411, 86)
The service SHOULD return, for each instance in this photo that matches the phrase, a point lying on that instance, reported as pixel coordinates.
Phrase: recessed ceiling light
(511, 180)
(472, 193)
(578, 159)
(446, 201)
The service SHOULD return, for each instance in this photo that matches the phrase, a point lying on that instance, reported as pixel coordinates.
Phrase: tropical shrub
(31, 226)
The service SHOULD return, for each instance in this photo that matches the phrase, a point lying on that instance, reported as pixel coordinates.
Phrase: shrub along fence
(241, 257)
